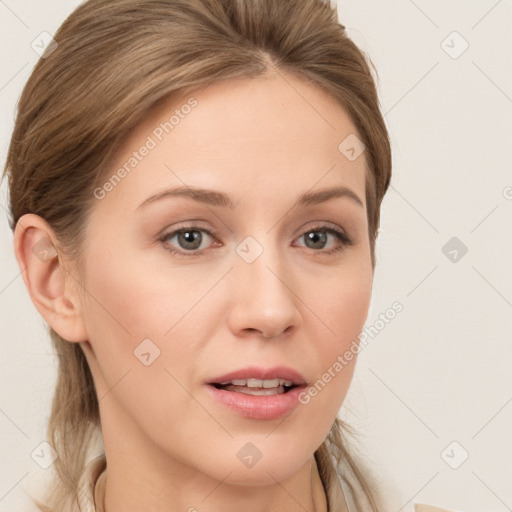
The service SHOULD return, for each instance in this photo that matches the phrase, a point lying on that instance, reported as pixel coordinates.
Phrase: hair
(114, 60)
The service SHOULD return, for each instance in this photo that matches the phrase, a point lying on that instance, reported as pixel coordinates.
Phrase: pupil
(191, 237)
(315, 236)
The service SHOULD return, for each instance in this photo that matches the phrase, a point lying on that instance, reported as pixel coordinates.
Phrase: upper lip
(257, 372)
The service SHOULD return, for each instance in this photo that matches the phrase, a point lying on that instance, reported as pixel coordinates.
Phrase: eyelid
(319, 224)
(329, 226)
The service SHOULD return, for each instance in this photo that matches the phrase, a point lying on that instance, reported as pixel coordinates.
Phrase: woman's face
(168, 313)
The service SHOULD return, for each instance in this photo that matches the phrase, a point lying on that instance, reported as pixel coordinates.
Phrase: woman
(195, 191)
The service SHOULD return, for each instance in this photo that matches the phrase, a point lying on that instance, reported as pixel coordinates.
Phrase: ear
(50, 285)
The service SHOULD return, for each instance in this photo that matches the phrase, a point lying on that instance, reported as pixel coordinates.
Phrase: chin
(261, 462)
(262, 475)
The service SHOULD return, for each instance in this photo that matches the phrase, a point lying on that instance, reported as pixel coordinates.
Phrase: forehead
(272, 110)
(274, 132)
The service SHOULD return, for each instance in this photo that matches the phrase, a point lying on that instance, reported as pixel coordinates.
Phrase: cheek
(133, 310)
(341, 303)
(135, 299)
(144, 346)
(342, 308)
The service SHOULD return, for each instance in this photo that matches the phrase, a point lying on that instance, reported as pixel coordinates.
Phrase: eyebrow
(216, 198)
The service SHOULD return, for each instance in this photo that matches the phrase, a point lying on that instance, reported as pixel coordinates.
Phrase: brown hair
(114, 61)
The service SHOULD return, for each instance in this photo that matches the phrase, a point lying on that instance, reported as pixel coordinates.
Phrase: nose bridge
(263, 297)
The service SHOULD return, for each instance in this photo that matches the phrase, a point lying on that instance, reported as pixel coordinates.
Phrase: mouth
(256, 387)
(257, 399)
(258, 393)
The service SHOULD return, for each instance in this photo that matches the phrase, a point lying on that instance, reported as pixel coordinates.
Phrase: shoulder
(92, 484)
(422, 507)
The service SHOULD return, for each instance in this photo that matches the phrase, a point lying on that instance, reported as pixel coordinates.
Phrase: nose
(263, 299)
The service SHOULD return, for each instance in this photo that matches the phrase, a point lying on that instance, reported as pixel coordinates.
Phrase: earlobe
(47, 280)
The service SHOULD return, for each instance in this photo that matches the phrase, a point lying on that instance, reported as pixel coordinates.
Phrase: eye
(189, 240)
(317, 238)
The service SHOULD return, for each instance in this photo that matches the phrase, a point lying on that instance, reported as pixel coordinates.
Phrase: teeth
(258, 383)
(258, 392)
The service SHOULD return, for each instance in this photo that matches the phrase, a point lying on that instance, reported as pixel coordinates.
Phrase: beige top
(93, 480)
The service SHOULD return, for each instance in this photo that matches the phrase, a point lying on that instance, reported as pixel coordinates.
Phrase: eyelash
(343, 238)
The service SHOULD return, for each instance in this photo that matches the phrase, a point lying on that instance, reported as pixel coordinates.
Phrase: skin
(169, 445)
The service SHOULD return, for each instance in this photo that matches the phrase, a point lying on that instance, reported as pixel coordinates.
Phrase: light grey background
(439, 372)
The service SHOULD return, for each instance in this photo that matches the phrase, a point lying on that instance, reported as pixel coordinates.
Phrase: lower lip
(260, 407)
